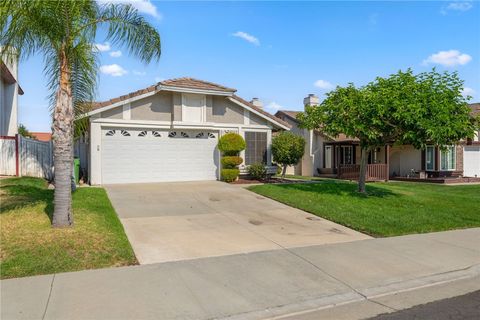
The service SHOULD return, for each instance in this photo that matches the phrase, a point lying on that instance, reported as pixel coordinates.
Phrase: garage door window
(256, 151)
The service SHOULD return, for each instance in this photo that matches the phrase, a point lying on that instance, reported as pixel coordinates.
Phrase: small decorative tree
(230, 144)
(287, 149)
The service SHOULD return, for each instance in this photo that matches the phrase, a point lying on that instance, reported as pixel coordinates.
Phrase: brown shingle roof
(271, 116)
(187, 83)
(195, 84)
(177, 82)
(98, 105)
(42, 136)
(289, 113)
(475, 109)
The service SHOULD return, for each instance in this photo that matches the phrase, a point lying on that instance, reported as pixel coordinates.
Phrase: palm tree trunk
(363, 170)
(63, 148)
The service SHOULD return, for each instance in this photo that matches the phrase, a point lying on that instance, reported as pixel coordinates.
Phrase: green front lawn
(30, 246)
(390, 209)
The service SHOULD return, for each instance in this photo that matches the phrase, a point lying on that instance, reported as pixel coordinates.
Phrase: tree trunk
(63, 148)
(363, 170)
(284, 171)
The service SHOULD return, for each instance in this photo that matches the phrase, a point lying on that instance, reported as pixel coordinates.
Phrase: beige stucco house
(340, 156)
(169, 132)
(9, 92)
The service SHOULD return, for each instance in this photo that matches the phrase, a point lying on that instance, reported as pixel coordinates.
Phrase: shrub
(287, 149)
(229, 175)
(231, 144)
(231, 162)
(257, 171)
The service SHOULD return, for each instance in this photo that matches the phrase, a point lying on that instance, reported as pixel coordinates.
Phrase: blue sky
(282, 51)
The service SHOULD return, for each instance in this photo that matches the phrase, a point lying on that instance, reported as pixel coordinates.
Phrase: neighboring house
(340, 156)
(169, 132)
(9, 91)
(42, 136)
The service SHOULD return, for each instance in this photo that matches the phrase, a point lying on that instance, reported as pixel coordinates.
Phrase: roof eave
(161, 87)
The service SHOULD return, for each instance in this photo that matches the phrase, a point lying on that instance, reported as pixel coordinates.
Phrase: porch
(397, 162)
(342, 160)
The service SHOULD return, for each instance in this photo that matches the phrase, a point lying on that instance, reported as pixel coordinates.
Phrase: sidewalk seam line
(309, 262)
(48, 299)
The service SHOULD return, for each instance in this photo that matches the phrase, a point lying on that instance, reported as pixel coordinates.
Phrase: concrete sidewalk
(249, 286)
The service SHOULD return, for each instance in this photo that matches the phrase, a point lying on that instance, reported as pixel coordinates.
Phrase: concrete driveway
(189, 220)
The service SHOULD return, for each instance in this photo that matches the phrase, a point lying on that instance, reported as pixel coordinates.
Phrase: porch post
(387, 162)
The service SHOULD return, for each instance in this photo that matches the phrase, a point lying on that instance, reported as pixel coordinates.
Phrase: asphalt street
(457, 308)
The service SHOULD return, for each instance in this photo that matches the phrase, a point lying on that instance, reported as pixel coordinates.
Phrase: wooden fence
(26, 157)
(375, 172)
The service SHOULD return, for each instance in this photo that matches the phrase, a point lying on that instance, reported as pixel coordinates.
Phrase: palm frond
(127, 27)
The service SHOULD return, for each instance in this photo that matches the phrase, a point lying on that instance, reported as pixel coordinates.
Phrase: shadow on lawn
(339, 188)
(20, 196)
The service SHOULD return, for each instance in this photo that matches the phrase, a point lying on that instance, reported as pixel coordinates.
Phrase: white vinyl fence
(8, 161)
(34, 158)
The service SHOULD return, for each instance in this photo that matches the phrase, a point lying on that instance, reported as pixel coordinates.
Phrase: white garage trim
(175, 124)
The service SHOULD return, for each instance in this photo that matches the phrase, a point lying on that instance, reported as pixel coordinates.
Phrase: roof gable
(188, 83)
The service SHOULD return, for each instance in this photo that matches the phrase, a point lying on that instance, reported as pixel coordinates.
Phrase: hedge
(230, 175)
(231, 162)
(231, 144)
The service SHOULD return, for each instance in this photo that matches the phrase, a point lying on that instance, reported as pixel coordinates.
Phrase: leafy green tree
(287, 149)
(23, 131)
(64, 33)
(403, 108)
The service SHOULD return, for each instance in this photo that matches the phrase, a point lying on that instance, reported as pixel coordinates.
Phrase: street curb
(358, 295)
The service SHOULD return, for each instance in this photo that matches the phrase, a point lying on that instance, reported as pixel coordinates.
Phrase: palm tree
(64, 33)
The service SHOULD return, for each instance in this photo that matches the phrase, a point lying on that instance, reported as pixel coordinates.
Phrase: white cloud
(448, 58)
(139, 73)
(247, 37)
(468, 91)
(113, 70)
(323, 84)
(143, 6)
(274, 107)
(459, 6)
(103, 47)
(116, 54)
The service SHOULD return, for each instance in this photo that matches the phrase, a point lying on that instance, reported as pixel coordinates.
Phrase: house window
(430, 158)
(256, 151)
(193, 108)
(328, 157)
(447, 158)
(347, 155)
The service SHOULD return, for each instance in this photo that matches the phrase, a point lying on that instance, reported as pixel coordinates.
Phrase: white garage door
(471, 161)
(149, 155)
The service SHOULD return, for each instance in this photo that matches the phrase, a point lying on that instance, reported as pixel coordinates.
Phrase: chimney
(257, 103)
(311, 100)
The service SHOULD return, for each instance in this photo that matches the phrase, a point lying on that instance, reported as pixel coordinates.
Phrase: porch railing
(375, 172)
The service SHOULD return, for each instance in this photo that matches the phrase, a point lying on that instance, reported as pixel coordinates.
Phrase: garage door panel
(129, 159)
(471, 161)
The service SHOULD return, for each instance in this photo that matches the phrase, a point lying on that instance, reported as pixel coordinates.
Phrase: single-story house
(340, 156)
(169, 132)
